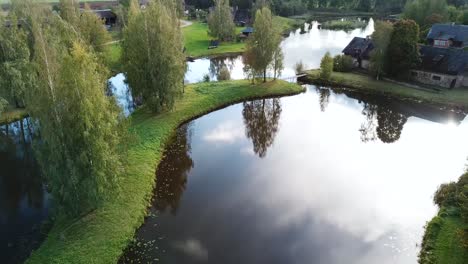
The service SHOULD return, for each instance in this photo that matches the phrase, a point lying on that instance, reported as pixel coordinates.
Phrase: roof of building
(248, 30)
(359, 47)
(449, 31)
(443, 60)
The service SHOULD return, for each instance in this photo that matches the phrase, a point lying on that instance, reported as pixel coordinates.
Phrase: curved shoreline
(101, 236)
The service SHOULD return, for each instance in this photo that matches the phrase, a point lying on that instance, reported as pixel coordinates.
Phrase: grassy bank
(12, 115)
(101, 236)
(364, 83)
(442, 242)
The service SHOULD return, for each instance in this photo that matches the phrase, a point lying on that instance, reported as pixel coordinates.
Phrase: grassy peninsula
(102, 235)
(367, 84)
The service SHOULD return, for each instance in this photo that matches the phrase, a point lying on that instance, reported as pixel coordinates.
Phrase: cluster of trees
(395, 48)
(299, 7)
(52, 64)
(428, 12)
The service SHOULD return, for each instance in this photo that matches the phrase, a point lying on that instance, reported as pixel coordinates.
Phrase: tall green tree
(381, 39)
(16, 71)
(220, 21)
(403, 52)
(263, 43)
(70, 11)
(81, 128)
(326, 66)
(153, 58)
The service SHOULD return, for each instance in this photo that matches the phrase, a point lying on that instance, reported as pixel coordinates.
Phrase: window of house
(441, 43)
(436, 77)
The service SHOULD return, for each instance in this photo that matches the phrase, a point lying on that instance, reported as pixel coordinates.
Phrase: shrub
(224, 74)
(206, 78)
(326, 66)
(446, 194)
(342, 63)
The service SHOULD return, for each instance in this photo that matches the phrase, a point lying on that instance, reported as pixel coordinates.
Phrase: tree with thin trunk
(152, 55)
(221, 22)
(277, 65)
(326, 66)
(263, 43)
(381, 39)
(82, 130)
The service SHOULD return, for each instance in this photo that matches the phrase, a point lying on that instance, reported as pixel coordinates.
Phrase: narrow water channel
(328, 176)
(24, 202)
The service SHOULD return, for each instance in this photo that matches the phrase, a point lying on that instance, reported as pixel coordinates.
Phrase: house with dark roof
(445, 67)
(448, 36)
(359, 49)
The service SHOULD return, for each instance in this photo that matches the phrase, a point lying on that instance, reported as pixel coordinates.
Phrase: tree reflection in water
(383, 122)
(173, 171)
(261, 120)
(216, 64)
(324, 97)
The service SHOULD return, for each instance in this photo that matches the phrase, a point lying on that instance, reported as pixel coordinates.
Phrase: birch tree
(153, 58)
(221, 22)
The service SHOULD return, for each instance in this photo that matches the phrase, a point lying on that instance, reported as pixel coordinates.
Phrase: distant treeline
(297, 7)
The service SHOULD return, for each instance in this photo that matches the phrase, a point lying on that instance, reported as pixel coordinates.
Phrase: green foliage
(381, 38)
(326, 66)
(464, 17)
(206, 78)
(277, 65)
(81, 128)
(220, 21)
(93, 31)
(263, 43)
(342, 63)
(224, 74)
(153, 58)
(3, 105)
(16, 71)
(425, 12)
(446, 195)
(403, 53)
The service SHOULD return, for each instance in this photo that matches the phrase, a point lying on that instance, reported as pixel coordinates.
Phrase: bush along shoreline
(446, 236)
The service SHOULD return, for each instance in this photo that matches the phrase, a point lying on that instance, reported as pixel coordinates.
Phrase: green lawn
(456, 97)
(197, 41)
(101, 236)
(12, 115)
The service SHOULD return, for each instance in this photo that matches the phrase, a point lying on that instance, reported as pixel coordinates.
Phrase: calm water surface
(322, 177)
(24, 202)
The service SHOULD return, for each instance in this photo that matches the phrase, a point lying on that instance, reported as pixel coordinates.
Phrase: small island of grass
(345, 25)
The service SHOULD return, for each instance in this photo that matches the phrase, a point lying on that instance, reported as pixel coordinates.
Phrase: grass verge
(101, 236)
(442, 242)
(12, 115)
(454, 98)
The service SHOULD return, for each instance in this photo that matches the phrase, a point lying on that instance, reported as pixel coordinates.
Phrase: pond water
(328, 176)
(24, 202)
